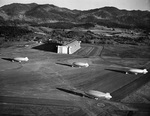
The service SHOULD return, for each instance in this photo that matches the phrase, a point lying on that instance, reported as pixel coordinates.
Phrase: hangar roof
(74, 41)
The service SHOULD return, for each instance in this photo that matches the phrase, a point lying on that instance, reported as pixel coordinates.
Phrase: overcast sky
(88, 4)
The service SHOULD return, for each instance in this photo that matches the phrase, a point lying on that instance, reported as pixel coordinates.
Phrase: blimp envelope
(144, 71)
(100, 94)
(20, 59)
(80, 64)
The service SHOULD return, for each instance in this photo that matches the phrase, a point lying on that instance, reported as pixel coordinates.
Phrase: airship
(20, 59)
(98, 94)
(136, 71)
(80, 64)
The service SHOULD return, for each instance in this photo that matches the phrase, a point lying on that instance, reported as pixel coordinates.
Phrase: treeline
(65, 25)
(12, 31)
(92, 38)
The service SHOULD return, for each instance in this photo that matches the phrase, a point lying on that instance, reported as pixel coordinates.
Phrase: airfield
(30, 88)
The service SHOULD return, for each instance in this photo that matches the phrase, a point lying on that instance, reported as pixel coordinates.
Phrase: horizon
(76, 9)
(92, 4)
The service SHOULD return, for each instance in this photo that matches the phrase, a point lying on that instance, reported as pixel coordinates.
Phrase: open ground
(34, 83)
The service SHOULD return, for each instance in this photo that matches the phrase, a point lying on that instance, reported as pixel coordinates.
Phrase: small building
(69, 48)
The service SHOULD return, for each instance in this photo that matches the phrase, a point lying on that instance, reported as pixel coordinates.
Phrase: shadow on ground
(115, 70)
(71, 92)
(8, 59)
(64, 64)
(51, 47)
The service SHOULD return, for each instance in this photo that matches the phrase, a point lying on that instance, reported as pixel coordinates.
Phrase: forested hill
(48, 13)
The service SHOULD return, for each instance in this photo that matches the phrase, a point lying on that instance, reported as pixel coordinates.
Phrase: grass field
(45, 71)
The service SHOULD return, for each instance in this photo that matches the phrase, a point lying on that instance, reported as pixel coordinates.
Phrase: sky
(88, 4)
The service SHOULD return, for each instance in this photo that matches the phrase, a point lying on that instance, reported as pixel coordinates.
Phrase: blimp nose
(145, 71)
(110, 96)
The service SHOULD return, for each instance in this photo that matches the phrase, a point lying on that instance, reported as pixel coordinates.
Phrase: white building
(69, 48)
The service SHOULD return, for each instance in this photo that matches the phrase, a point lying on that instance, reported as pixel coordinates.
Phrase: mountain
(111, 16)
(15, 10)
(48, 13)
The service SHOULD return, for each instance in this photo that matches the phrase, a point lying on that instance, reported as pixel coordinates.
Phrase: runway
(131, 87)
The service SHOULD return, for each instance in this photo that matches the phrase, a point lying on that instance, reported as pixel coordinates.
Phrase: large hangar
(69, 48)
